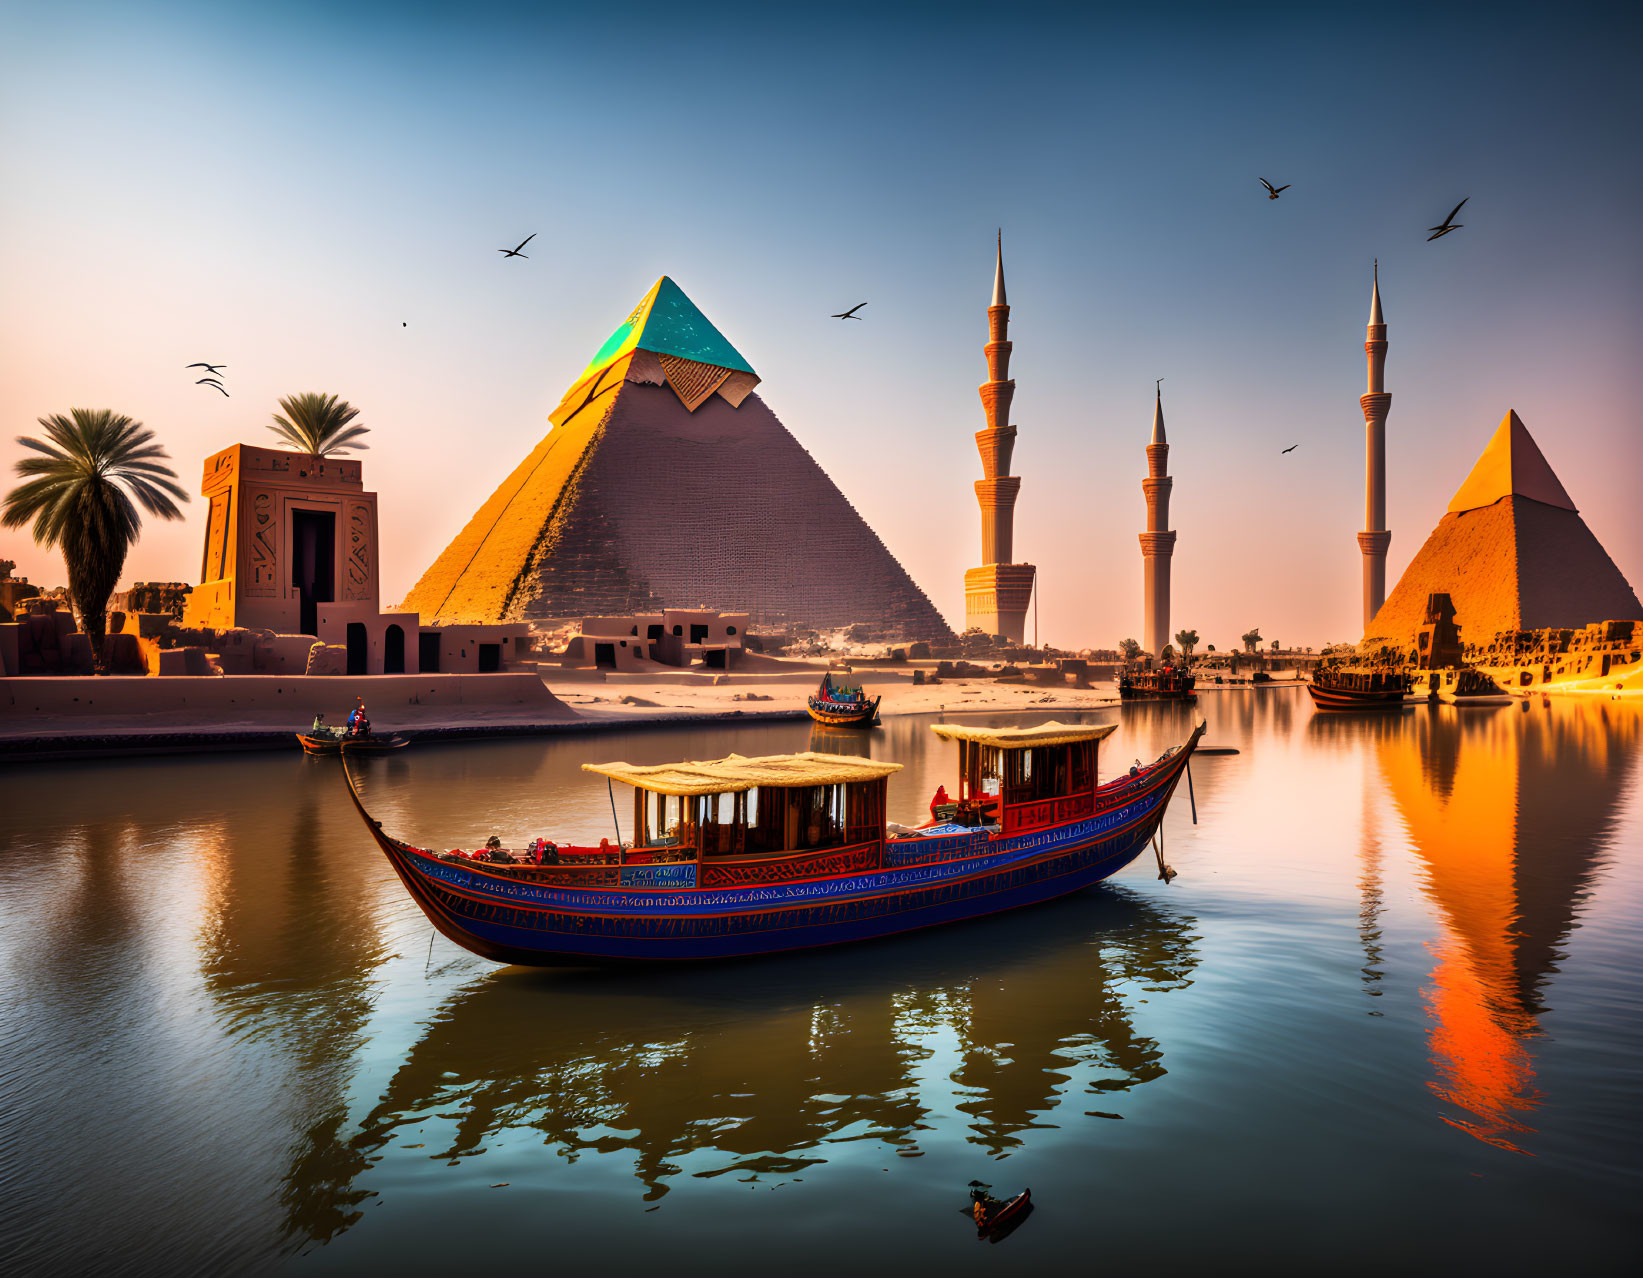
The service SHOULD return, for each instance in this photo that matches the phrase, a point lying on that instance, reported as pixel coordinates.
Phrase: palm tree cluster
(97, 467)
(317, 424)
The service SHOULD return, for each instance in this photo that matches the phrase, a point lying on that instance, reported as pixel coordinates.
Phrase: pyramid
(1512, 553)
(665, 481)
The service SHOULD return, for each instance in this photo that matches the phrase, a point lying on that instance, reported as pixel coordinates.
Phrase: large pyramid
(1512, 553)
(666, 481)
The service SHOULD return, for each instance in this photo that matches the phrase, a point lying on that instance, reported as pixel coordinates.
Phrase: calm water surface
(1387, 1017)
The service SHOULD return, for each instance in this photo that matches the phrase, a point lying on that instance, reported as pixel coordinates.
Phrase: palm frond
(317, 424)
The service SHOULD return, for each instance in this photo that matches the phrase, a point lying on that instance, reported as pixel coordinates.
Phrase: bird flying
(851, 313)
(1290, 449)
(1448, 224)
(213, 369)
(514, 252)
(214, 384)
(1272, 191)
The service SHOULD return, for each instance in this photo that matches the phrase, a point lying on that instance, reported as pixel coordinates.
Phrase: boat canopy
(1045, 734)
(735, 773)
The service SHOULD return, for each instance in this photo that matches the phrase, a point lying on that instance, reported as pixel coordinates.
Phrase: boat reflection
(1511, 815)
(721, 1069)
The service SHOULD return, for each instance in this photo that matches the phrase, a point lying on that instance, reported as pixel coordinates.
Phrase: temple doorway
(313, 555)
(393, 650)
(356, 647)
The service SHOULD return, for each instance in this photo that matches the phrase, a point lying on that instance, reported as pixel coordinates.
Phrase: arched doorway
(356, 647)
(393, 650)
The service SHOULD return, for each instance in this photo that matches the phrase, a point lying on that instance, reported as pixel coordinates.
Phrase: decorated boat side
(744, 856)
(1171, 683)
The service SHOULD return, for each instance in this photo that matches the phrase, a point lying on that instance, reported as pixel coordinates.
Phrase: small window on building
(698, 633)
(678, 630)
(634, 632)
(654, 630)
(730, 630)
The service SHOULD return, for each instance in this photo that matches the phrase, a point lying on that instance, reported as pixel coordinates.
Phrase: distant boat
(339, 742)
(737, 857)
(1467, 686)
(841, 706)
(1334, 688)
(1170, 683)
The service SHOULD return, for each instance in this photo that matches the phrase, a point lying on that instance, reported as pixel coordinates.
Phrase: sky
(314, 195)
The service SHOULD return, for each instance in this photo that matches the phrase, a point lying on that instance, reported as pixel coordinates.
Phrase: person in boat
(359, 724)
(940, 798)
(320, 728)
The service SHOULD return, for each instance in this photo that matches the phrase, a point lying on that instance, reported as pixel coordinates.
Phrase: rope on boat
(1190, 794)
(611, 790)
(1164, 871)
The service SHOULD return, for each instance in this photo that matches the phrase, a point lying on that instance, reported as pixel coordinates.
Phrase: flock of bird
(211, 377)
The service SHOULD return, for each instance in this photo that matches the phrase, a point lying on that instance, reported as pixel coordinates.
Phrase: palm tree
(80, 497)
(1130, 649)
(1188, 639)
(318, 424)
(1251, 638)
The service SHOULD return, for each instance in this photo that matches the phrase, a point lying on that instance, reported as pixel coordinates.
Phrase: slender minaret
(1157, 543)
(1375, 538)
(997, 593)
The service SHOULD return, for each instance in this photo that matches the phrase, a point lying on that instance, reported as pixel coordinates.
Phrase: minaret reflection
(726, 1068)
(1511, 815)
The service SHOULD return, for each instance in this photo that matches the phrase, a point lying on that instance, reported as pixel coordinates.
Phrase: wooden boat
(1171, 683)
(341, 743)
(1006, 1216)
(839, 706)
(1334, 688)
(738, 857)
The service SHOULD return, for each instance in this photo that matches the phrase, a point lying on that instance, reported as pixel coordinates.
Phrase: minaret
(1157, 543)
(997, 593)
(1375, 538)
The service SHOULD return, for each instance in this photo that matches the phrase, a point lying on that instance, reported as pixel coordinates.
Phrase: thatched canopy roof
(735, 773)
(1045, 734)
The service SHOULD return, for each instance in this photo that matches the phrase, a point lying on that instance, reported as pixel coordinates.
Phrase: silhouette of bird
(851, 313)
(1272, 191)
(213, 369)
(514, 252)
(1448, 224)
(214, 384)
(1290, 449)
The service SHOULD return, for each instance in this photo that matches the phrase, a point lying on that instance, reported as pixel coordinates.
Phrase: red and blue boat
(842, 706)
(744, 856)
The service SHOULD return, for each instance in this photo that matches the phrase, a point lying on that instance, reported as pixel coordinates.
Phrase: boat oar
(611, 790)
(1190, 794)
(1164, 872)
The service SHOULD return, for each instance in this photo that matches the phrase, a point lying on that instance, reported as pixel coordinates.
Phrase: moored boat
(738, 857)
(1336, 688)
(843, 706)
(1170, 683)
(1467, 686)
(1006, 1216)
(338, 741)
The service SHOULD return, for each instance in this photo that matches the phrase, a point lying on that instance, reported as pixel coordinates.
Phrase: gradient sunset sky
(281, 188)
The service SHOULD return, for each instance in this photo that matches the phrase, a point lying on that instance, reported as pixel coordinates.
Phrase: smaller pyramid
(1511, 552)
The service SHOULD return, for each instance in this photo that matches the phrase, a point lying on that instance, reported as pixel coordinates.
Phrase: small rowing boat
(842, 706)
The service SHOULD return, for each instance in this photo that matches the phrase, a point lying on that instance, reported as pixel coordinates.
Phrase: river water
(1388, 1017)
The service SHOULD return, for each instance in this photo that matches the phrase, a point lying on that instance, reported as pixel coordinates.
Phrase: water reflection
(721, 1070)
(1510, 815)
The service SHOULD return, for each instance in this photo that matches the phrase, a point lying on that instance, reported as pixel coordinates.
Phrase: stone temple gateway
(666, 481)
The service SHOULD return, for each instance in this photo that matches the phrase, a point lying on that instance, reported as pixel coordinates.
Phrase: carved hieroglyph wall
(250, 573)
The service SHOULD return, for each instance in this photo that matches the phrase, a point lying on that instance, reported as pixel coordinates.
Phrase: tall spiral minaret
(1157, 543)
(1375, 538)
(996, 594)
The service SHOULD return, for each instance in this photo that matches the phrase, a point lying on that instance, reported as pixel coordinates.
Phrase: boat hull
(517, 921)
(1346, 699)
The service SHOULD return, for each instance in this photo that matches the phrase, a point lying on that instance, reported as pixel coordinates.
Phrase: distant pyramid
(1512, 553)
(666, 481)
